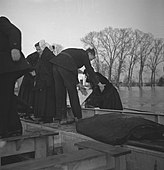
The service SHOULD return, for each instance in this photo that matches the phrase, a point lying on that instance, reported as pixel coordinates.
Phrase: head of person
(38, 49)
(91, 53)
(87, 76)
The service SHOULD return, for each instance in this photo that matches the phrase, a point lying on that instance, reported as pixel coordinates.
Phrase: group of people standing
(47, 80)
(45, 88)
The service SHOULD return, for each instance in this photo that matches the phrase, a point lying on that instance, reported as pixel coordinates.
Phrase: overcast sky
(65, 22)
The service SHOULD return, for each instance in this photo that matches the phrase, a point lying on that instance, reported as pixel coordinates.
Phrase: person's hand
(101, 86)
(15, 54)
(82, 89)
(33, 73)
(80, 86)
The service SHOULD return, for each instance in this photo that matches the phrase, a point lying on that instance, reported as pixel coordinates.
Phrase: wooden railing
(156, 117)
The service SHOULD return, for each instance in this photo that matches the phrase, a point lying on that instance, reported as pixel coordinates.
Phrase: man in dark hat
(12, 66)
(65, 70)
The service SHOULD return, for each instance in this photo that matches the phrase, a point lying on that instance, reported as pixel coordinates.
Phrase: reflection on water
(146, 98)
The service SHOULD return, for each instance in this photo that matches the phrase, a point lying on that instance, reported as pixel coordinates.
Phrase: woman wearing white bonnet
(44, 108)
(43, 44)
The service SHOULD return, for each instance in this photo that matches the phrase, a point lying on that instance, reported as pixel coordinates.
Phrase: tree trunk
(118, 74)
(140, 77)
(109, 73)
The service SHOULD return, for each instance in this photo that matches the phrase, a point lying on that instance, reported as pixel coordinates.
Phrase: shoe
(70, 121)
(56, 121)
(63, 122)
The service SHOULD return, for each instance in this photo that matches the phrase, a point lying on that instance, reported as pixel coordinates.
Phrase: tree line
(123, 51)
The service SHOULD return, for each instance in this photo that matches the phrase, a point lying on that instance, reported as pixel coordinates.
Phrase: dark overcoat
(10, 38)
(72, 59)
(108, 99)
(65, 70)
(10, 71)
(26, 91)
(44, 87)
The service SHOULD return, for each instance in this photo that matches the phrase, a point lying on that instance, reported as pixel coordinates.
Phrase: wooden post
(41, 147)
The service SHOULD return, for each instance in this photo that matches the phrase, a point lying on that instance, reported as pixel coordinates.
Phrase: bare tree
(117, 49)
(123, 49)
(155, 58)
(144, 50)
(132, 58)
(91, 40)
(109, 42)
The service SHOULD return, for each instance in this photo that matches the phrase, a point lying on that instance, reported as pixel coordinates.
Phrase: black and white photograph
(81, 85)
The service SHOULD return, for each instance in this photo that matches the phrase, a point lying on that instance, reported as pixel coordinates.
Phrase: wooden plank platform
(114, 151)
(32, 141)
(49, 126)
(79, 160)
(154, 145)
(139, 159)
(88, 112)
(117, 152)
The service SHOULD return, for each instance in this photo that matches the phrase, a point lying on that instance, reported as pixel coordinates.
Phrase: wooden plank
(29, 135)
(55, 160)
(41, 147)
(11, 147)
(156, 145)
(36, 141)
(142, 159)
(114, 151)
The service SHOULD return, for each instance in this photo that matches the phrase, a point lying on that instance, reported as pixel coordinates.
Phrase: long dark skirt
(26, 91)
(9, 119)
(45, 103)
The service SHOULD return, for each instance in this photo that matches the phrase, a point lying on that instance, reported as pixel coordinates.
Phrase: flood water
(146, 99)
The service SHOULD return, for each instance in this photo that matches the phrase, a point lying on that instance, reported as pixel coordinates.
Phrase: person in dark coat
(12, 66)
(108, 98)
(44, 107)
(26, 92)
(65, 70)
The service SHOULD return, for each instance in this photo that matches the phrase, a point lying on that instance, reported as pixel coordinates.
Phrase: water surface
(147, 98)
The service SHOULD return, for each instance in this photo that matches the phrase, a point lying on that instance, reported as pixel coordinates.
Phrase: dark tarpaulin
(117, 129)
